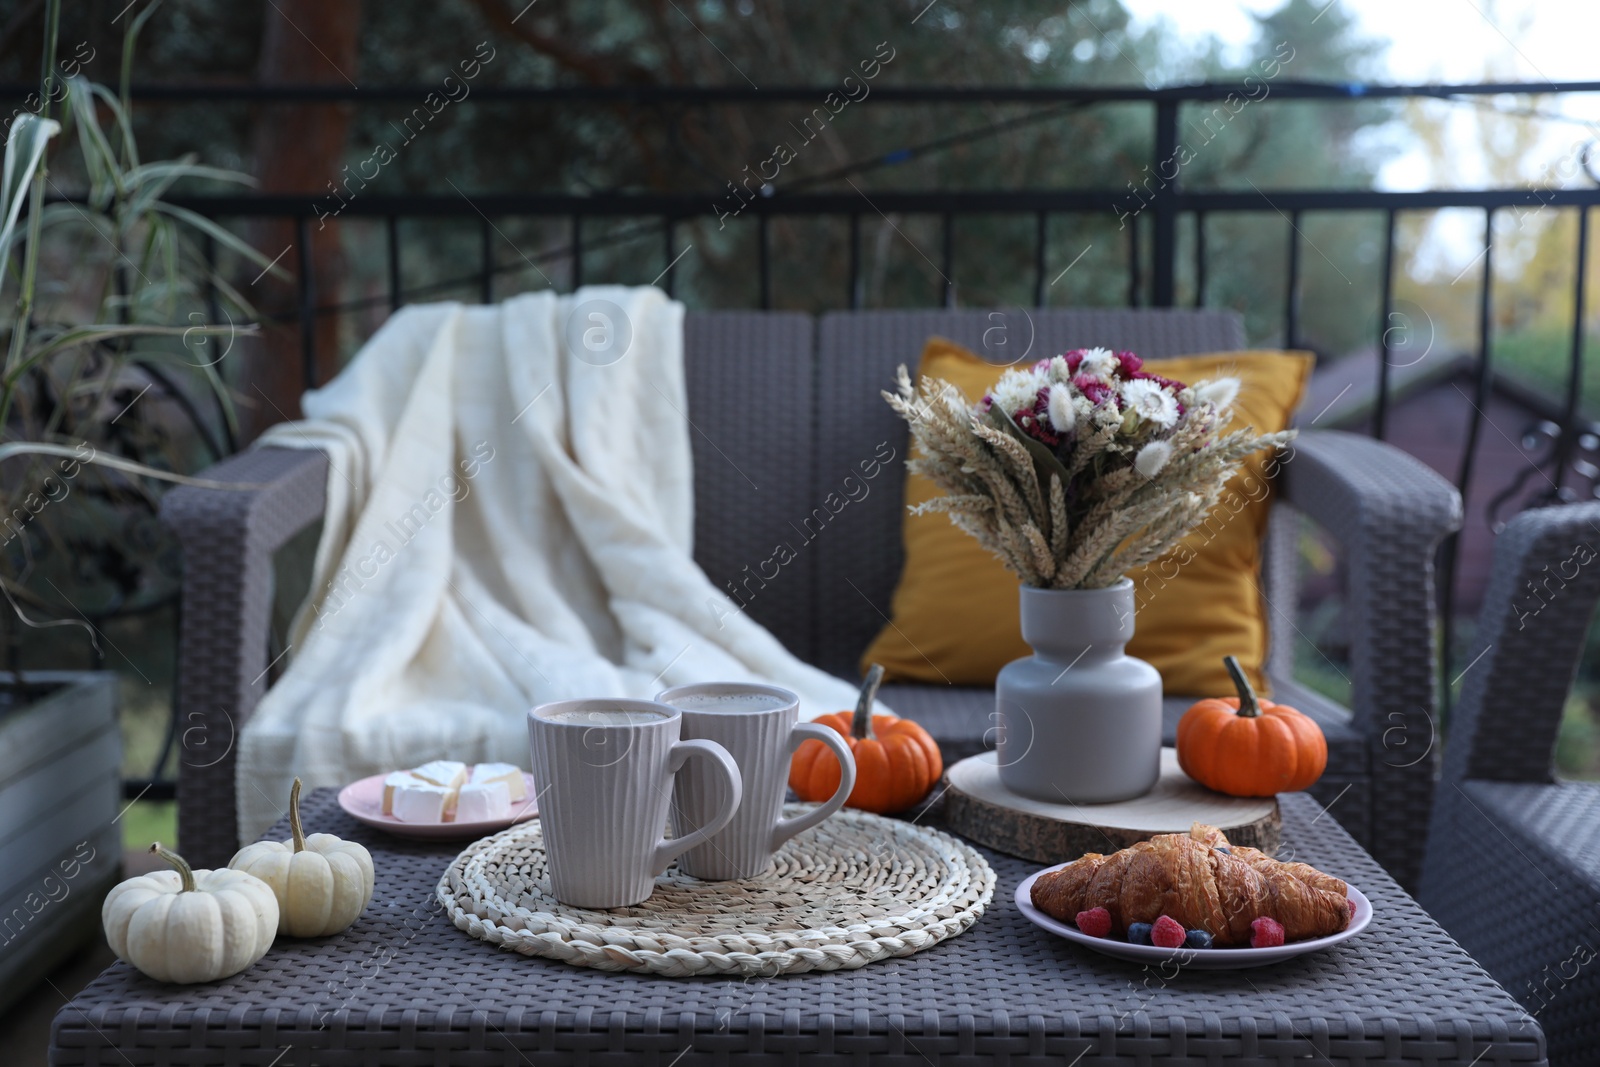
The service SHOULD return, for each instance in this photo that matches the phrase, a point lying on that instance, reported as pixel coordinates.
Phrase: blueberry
(1196, 939)
(1139, 933)
(1224, 849)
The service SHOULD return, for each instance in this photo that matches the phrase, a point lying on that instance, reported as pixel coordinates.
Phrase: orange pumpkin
(897, 762)
(1248, 747)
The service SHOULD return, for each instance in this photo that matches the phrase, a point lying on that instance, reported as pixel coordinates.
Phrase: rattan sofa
(772, 464)
(1512, 866)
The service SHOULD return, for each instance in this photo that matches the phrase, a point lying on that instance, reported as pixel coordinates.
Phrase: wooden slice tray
(978, 807)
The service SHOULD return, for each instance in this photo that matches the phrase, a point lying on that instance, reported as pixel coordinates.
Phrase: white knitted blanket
(509, 516)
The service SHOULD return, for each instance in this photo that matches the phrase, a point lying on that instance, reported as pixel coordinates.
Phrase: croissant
(1203, 883)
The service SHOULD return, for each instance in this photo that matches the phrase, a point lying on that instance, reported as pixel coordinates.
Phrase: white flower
(1017, 389)
(1219, 394)
(1063, 413)
(1153, 403)
(1098, 363)
(1152, 457)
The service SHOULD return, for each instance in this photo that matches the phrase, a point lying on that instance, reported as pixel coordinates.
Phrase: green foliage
(147, 821)
(1542, 358)
(109, 282)
(1578, 742)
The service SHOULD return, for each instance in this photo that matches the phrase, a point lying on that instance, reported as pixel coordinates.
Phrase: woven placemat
(855, 889)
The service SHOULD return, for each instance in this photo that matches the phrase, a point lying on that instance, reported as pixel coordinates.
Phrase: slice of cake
(501, 772)
(483, 801)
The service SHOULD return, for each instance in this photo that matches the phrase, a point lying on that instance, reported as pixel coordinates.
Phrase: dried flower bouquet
(1079, 468)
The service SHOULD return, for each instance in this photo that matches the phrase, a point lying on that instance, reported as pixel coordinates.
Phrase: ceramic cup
(759, 725)
(605, 768)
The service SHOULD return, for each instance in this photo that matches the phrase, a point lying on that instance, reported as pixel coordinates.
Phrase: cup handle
(787, 828)
(669, 850)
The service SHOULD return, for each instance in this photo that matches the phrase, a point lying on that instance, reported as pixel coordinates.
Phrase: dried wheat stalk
(1108, 515)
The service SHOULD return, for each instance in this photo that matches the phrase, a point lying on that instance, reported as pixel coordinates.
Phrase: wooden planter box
(60, 790)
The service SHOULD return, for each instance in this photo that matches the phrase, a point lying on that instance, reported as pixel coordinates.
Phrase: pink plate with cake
(363, 801)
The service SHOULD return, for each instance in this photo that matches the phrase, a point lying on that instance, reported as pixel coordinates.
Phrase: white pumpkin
(190, 926)
(322, 883)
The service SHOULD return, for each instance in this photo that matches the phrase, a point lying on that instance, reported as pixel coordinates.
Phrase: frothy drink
(743, 701)
(605, 717)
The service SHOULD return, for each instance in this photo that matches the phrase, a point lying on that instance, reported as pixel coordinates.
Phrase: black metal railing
(1154, 284)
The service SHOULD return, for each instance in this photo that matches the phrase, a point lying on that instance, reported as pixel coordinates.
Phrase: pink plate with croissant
(1196, 901)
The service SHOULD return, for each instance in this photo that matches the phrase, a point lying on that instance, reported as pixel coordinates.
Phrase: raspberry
(1167, 933)
(1352, 908)
(1096, 922)
(1266, 933)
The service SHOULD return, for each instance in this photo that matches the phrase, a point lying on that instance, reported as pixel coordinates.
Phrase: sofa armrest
(1389, 512)
(1527, 647)
(228, 537)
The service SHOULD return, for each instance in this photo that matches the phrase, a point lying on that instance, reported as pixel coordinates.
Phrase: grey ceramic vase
(1080, 719)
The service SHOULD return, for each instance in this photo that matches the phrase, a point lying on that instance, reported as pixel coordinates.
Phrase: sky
(1447, 41)
(1433, 40)
(1442, 41)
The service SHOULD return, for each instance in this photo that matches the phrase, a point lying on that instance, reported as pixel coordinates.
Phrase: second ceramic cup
(760, 727)
(605, 770)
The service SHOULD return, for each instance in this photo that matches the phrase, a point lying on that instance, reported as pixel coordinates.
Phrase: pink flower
(1130, 364)
(1035, 421)
(1095, 390)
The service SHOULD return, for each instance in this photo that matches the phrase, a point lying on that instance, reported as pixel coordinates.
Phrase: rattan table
(403, 986)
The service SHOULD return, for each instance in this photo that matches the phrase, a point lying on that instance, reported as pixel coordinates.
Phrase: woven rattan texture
(1537, 845)
(748, 375)
(1536, 612)
(1280, 583)
(228, 538)
(1504, 830)
(855, 890)
(1388, 512)
(405, 987)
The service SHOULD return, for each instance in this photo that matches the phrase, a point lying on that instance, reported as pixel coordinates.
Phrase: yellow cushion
(954, 613)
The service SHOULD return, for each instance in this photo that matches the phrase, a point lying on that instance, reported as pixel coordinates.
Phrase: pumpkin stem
(1249, 706)
(861, 722)
(185, 872)
(294, 817)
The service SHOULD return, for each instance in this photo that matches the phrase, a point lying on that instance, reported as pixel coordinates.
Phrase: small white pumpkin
(190, 926)
(322, 883)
